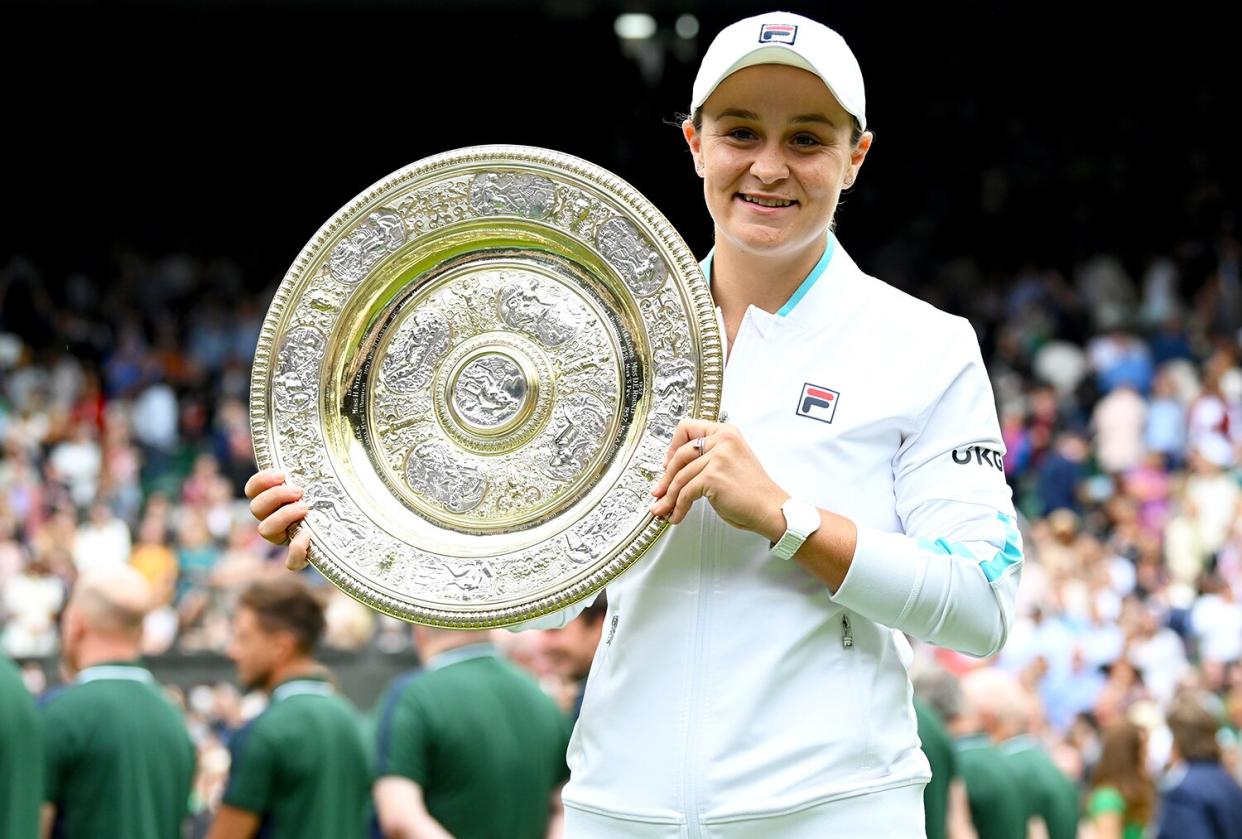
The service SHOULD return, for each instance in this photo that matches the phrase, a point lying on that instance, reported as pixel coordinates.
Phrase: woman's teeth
(766, 202)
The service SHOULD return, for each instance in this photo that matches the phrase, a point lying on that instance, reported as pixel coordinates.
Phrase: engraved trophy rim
(325, 338)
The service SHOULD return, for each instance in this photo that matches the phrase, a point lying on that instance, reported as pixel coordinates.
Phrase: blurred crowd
(124, 439)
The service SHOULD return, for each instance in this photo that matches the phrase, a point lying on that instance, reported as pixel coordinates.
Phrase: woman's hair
(1122, 767)
(697, 119)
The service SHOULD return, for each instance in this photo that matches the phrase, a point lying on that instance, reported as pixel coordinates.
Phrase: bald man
(996, 803)
(1005, 711)
(467, 746)
(119, 760)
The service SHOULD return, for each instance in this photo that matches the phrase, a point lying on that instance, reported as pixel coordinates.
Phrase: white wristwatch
(801, 520)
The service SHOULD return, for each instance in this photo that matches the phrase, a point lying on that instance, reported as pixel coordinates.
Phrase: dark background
(1011, 132)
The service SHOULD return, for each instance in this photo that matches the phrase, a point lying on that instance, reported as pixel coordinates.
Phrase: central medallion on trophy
(489, 392)
(492, 393)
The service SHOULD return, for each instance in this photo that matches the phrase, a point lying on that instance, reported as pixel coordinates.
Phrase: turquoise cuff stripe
(940, 546)
(811, 278)
(993, 568)
(1008, 556)
(815, 274)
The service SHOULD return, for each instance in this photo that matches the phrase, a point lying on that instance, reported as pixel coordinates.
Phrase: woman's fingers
(272, 499)
(298, 548)
(688, 452)
(278, 507)
(694, 489)
(672, 496)
(264, 480)
(687, 430)
(273, 527)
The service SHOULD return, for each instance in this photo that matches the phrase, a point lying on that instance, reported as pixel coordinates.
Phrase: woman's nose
(769, 163)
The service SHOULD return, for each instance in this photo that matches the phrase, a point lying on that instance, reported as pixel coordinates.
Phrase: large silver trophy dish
(474, 370)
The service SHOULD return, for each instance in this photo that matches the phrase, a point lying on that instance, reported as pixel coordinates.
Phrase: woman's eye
(806, 140)
(741, 134)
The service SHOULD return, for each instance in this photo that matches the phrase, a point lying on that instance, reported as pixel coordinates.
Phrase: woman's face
(774, 154)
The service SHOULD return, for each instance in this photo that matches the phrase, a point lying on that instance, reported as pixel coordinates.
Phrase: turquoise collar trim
(125, 672)
(457, 654)
(304, 685)
(811, 278)
(807, 284)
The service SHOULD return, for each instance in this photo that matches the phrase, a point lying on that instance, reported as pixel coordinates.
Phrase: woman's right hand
(278, 506)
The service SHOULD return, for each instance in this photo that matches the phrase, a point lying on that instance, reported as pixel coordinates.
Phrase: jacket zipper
(707, 569)
(847, 634)
(690, 762)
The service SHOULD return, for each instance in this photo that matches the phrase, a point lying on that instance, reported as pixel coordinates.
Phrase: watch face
(800, 516)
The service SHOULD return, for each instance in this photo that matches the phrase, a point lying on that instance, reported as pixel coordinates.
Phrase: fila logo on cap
(818, 403)
(777, 33)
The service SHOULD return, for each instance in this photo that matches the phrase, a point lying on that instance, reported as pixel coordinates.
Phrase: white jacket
(732, 685)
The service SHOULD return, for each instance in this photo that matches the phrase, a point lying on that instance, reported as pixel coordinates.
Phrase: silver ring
(698, 444)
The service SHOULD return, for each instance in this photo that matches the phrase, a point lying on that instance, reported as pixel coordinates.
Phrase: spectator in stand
(1122, 799)
(1199, 797)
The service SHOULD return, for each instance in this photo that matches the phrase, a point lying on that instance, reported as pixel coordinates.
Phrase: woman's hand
(278, 506)
(725, 472)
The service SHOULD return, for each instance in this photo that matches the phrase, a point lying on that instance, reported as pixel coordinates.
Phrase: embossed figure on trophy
(579, 550)
(344, 529)
(303, 349)
(524, 308)
(529, 196)
(490, 390)
(673, 387)
(578, 437)
(382, 233)
(304, 448)
(456, 486)
(580, 208)
(292, 391)
(639, 265)
(470, 577)
(323, 299)
(411, 358)
(293, 381)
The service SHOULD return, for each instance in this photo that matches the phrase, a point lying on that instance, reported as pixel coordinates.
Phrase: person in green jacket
(996, 804)
(946, 809)
(119, 761)
(1006, 711)
(300, 769)
(21, 756)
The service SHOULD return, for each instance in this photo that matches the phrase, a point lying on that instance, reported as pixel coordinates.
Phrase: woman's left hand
(725, 472)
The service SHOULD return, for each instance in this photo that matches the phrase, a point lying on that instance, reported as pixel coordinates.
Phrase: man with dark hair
(21, 756)
(571, 648)
(119, 760)
(1199, 798)
(299, 769)
(468, 746)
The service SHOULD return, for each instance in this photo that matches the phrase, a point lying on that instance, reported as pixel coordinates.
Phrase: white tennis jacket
(730, 685)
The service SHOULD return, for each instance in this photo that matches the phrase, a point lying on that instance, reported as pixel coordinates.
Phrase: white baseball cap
(784, 38)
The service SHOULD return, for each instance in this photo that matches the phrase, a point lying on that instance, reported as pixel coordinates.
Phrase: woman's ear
(859, 153)
(695, 142)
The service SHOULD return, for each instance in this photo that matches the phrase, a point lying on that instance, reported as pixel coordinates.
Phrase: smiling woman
(753, 680)
(774, 151)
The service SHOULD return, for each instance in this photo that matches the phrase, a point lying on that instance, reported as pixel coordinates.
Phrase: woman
(1123, 797)
(752, 681)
